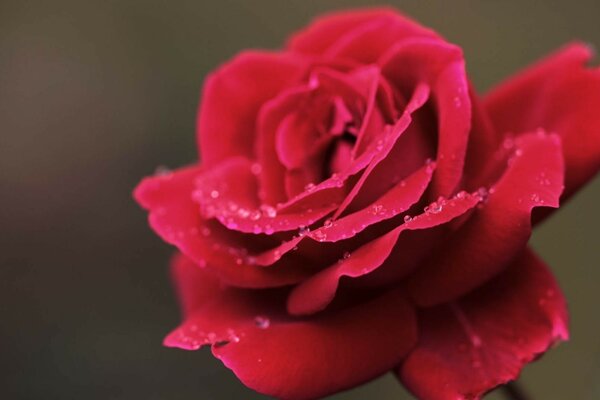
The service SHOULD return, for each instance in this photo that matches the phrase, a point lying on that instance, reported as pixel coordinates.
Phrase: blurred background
(94, 95)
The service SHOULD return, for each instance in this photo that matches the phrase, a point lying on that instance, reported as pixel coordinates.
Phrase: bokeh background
(96, 94)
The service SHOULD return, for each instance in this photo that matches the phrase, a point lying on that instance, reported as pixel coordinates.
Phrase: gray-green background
(96, 94)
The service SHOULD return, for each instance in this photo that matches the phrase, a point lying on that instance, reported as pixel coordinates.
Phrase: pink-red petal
(291, 358)
(318, 291)
(468, 347)
(232, 97)
(176, 218)
(560, 95)
(441, 66)
(328, 29)
(492, 237)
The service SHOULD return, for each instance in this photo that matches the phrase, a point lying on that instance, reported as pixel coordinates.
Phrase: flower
(361, 152)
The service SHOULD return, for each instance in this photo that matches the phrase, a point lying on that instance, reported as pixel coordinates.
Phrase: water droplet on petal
(310, 187)
(268, 211)
(328, 223)
(214, 194)
(303, 231)
(461, 195)
(407, 218)
(262, 322)
(377, 208)
(256, 168)
(508, 143)
(319, 235)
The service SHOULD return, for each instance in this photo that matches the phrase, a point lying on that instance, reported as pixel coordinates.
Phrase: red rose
(361, 152)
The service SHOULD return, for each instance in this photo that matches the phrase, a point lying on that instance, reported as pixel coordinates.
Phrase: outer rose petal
(295, 358)
(562, 96)
(194, 284)
(229, 190)
(329, 29)
(495, 234)
(176, 219)
(467, 348)
(232, 97)
(318, 291)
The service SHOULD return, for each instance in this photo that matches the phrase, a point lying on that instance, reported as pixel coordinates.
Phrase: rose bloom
(359, 209)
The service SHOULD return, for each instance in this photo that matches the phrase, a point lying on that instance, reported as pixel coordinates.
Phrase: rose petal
(194, 284)
(232, 97)
(329, 29)
(483, 145)
(175, 217)
(271, 114)
(290, 358)
(394, 202)
(329, 187)
(367, 43)
(227, 192)
(378, 151)
(469, 347)
(318, 291)
(560, 95)
(441, 65)
(492, 237)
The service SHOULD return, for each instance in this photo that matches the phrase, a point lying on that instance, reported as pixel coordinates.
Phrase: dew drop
(262, 322)
(310, 187)
(377, 208)
(268, 211)
(461, 195)
(319, 235)
(508, 143)
(328, 223)
(303, 231)
(255, 215)
(457, 102)
(434, 208)
(407, 218)
(233, 337)
(214, 194)
(256, 169)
